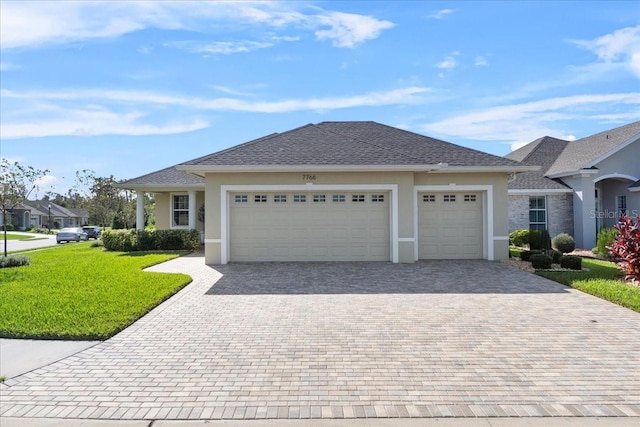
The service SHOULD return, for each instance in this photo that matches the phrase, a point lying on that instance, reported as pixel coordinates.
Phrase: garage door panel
(450, 225)
(314, 231)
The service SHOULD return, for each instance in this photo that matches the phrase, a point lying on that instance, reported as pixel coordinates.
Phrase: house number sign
(308, 177)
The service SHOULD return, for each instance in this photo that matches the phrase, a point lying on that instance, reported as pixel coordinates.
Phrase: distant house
(44, 213)
(338, 191)
(582, 186)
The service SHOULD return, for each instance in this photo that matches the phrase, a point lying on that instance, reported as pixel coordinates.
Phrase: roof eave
(539, 191)
(437, 168)
(160, 187)
(574, 172)
(614, 150)
(203, 169)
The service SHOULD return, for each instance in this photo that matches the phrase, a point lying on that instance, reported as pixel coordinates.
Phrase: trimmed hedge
(150, 240)
(14, 261)
(540, 261)
(519, 237)
(564, 243)
(556, 256)
(526, 255)
(572, 262)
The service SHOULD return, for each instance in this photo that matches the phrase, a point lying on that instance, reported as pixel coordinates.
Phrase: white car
(71, 234)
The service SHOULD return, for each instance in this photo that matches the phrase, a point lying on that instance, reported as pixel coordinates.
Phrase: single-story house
(582, 185)
(44, 213)
(341, 191)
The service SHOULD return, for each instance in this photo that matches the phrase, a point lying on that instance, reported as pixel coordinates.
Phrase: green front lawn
(602, 280)
(81, 292)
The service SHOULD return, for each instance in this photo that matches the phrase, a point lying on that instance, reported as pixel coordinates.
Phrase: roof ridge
(539, 142)
(397, 150)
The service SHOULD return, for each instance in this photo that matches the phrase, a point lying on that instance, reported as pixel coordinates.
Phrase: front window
(181, 210)
(621, 205)
(537, 213)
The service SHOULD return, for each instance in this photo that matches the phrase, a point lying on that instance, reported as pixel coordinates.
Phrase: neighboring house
(43, 213)
(343, 191)
(582, 186)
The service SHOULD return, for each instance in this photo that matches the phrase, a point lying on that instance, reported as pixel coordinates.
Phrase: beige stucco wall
(405, 182)
(163, 208)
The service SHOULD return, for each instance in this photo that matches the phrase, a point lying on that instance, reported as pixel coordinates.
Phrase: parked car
(93, 231)
(71, 234)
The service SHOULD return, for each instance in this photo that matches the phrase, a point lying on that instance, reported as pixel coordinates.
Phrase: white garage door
(450, 225)
(309, 226)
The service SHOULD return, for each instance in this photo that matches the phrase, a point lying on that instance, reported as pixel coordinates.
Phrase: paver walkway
(343, 340)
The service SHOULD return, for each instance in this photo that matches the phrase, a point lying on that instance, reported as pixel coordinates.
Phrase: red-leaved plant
(626, 247)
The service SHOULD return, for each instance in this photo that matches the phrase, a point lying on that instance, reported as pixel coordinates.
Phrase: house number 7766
(307, 177)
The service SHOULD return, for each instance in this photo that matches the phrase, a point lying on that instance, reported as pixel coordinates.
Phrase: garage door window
(319, 198)
(339, 198)
(241, 198)
(429, 198)
(280, 198)
(181, 210)
(469, 197)
(357, 198)
(299, 198)
(377, 198)
(449, 198)
(260, 198)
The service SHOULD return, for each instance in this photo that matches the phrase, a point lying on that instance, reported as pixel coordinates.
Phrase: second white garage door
(304, 226)
(450, 225)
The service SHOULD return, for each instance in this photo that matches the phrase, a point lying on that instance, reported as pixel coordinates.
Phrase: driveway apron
(351, 340)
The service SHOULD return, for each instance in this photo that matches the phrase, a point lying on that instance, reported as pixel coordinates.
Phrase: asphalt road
(39, 241)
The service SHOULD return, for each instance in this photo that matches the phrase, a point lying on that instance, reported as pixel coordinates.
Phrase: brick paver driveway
(432, 339)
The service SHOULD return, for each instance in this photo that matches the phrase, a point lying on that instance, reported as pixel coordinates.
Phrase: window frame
(536, 225)
(173, 211)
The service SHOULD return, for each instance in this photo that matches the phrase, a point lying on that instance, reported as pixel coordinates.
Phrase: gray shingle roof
(348, 144)
(170, 177)
(635, 184)
(541, 152)
(583, 152)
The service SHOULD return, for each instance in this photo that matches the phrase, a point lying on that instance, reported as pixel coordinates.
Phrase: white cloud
(522, 123)
(32, 24)
(440, 14)
(620, 48)
(480, 61)
(350, 30)
(112, 112)
(219, 47)
(449, 62)
(47, 181)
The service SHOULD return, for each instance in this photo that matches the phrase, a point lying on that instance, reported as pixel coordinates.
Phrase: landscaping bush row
(14, 261)
(540, 240)
(150, 240)
(542, 260)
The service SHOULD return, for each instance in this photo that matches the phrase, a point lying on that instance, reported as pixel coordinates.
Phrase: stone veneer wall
(559, 213)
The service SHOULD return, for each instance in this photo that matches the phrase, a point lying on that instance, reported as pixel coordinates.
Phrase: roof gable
(542, 152)
(584, 152)
(165, 177)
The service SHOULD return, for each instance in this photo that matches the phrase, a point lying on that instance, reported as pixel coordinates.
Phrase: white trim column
(140, 210)
(192, 210)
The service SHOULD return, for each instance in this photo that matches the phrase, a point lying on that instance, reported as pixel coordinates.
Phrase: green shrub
(8, 227)
(526, 255)
(14, 261)
(545, 239)
(564, 243)
(540, 261)
(97, 244)
(519, 237)
(605, 238)
(571, 261)
(150, 240)
(535, 239)
(556, 256)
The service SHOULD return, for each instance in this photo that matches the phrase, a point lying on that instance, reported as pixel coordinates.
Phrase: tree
(16, 183)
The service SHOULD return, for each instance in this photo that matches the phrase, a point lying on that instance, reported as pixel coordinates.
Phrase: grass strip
(79, 292)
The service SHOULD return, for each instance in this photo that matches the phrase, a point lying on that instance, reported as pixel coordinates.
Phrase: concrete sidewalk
(18, 357)
(380, 422)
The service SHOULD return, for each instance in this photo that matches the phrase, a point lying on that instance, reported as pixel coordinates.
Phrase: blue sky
(126, 88)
